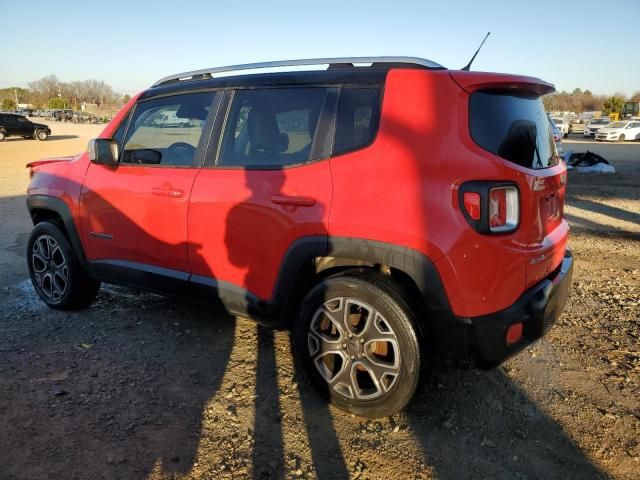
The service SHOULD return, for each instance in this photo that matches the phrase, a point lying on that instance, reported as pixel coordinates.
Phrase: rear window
(514, 126)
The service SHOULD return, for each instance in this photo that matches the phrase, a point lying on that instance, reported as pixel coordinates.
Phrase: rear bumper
(481, 341)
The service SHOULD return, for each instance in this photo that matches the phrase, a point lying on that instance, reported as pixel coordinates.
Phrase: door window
(166, 131)
(276, 127)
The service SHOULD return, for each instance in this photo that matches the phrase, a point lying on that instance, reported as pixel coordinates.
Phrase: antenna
(466, 69)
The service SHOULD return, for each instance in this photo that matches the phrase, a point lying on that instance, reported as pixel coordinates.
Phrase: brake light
(504, 210)
(490, 207)
(472, 204)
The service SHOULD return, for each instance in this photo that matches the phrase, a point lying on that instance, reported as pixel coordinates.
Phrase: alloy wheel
(50, 267)
(354, 348)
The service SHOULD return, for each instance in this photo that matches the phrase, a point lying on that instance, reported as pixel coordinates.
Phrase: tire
(55, 272)
(41, 135)
(2, 135)
(336, 353)
(621, 138)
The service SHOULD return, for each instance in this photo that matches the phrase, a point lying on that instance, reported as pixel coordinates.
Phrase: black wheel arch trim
(300, 255)
(61, 209)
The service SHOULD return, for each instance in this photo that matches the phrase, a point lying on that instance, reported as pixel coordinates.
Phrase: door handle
(167, 192)
(297, 201)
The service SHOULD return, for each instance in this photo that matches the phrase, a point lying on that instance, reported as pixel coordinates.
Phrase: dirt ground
(141, 386)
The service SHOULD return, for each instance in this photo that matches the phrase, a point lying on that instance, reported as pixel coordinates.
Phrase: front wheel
(356, 339)
(621, 138)
(2, 136)
(56, 274)
(41, 135)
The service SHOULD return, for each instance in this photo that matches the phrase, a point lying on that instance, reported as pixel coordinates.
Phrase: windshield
(514, 126)
(617, 125)
(558, 121)
(599, 121)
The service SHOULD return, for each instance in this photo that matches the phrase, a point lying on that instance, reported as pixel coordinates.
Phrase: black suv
(14, 125)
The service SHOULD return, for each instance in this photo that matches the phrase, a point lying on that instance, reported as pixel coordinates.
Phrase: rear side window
(513, 126)
(358, 118)
(275, 127)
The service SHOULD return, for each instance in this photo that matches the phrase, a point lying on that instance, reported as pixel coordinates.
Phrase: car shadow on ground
(123, 390)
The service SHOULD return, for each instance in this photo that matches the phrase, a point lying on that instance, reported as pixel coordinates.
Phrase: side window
(358, 118)
(275, 127)
(166, 130)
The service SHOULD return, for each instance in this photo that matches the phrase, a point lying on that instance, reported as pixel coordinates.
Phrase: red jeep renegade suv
(379, 207)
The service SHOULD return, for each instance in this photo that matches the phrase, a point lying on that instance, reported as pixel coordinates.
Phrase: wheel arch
(46, 208)
(311, 259)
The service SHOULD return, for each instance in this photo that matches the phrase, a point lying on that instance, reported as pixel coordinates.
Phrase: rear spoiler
(470, 81)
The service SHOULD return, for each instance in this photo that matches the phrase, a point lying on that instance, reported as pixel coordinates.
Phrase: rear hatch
(507, 119)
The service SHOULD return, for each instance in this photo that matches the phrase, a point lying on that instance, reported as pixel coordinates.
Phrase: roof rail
(353, 61)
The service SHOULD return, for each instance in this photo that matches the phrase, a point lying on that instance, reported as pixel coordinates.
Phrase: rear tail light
(490, 207)
(472, 204)
(504, 210)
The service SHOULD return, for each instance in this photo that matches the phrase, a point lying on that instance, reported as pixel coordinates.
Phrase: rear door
(23, 126)
(269, 185)
(136, 213)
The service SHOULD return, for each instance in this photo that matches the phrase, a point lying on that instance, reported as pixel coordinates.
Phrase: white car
(595, 124)
(557, 136)
(562, 125)
(620, 131)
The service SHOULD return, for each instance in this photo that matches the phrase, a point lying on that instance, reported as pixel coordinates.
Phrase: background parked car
(595, 124)
(563, 126)
(13, 125)
(557, 136)
(620, 131)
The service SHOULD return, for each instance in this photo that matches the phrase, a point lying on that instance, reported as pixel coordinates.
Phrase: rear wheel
(56, 274)
(41, 135)
(356, 338)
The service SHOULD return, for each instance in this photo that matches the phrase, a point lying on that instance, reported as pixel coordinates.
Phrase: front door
(136, 214)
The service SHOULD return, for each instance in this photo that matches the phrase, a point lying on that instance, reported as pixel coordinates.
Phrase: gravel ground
(142, 386)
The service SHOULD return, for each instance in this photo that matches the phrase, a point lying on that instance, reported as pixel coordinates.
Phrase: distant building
(22, 106)
(89, 107)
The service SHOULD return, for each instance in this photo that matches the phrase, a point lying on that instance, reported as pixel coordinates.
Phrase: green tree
(635, 97)
(126, 98)
(8, 104)
(577, 91)
(57, 102)
(588, 92)
(613, 105)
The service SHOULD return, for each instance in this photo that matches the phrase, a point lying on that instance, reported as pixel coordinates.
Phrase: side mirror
(103, 151)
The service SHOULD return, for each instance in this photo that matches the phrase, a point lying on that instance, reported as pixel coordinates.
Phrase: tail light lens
(504, 209)
(472, 204)
(490, 207)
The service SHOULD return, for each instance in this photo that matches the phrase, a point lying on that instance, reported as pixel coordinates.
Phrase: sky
(132, 44)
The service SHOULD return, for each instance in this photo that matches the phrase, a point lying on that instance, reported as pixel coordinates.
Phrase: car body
(563, 126)
(14, 125)
(369, 207)
(595, 124)
(620, 131)
(557, 135)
